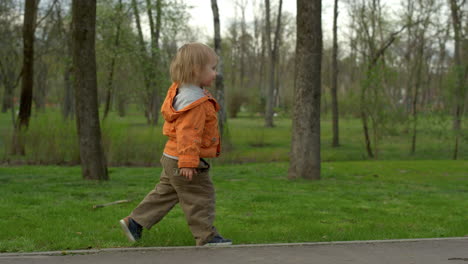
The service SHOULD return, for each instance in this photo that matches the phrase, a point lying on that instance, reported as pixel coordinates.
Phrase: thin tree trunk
(144, 62)
(7, 76)
(40, 93)
(151, 98)
(242, 51)
(365, 124)
(69, 95)
(27, 82)
(272, 48)
(417, 85)
(7, 101)
(276, 63)
(305, 145)
(334, 88)
(154, 105)
(68, 105)
(110, 80)
(376, 55)
(219, 74)
(414, 105)
(460, 70)
(28, 62)
(93, 161)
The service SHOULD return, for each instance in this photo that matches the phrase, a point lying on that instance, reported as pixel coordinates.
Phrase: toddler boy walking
(192, 129)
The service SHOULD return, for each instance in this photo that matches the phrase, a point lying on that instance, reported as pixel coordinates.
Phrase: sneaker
(131, 228)
(218, 240)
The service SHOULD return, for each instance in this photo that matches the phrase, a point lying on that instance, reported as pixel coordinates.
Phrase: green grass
(50, 208)
(128, 141)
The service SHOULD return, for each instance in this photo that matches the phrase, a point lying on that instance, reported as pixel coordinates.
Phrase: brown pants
(196, 197)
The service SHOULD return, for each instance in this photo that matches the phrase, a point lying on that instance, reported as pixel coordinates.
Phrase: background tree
(461, 66)
(409, 91)
(29, 27)
(305, 144)
(64, 41)
(273, 52)
(372, 43)
(93, 161)
(10, 68)
(150, 62)
(419, 16)
(219, 75)
(110, 81)
(334, 84)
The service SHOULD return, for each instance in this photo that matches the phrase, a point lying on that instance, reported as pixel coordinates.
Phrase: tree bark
(110, 79)
(305, 145)
(272, 48)
(219, 74)
(9, 78)
(374, 59)
(29, 27)
(154, 70)
(93, 161)
(461, 72)
(421, 36)
(68, 108)
(40, 91)
(334, 88)
(149, 96)
(68, 105)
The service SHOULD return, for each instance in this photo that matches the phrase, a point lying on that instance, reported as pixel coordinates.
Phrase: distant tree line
(380, 67)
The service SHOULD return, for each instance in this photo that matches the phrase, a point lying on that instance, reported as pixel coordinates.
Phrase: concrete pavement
(408, 251)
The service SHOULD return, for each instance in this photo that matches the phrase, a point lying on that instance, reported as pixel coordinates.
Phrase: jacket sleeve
(189, 132)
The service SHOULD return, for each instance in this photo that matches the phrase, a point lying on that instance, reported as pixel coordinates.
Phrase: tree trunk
(365, 122)
(68, 105)
(271, 82)
(40, 92)
(9, 81)
(7, 101)
(305, 145)
(147, 66)
(27, 82)
(29, 26)
(272, 48)
(334, 88)
(93, 161)
(154, 72)
(276, 63)
(219, 75)
(373, 60)
(460, 69)
(417, 84)
(110, 80)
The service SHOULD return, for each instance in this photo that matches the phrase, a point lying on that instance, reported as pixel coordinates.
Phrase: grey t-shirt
(187, 94)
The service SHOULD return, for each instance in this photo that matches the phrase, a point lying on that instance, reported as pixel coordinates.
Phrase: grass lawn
(50, 208)
(128, 141)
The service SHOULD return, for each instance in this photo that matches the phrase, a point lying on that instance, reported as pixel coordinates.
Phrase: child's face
(208, 74)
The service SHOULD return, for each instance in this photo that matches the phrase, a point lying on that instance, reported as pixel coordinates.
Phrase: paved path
(424, 251)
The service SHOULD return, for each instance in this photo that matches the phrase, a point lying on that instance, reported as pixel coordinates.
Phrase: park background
(397, 169)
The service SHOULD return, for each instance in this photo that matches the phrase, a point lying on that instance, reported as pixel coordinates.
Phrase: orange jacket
(192, 131)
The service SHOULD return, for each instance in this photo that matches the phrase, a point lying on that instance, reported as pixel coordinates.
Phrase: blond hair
(189, 62)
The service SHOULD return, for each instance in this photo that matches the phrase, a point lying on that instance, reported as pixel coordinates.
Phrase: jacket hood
(168, 111)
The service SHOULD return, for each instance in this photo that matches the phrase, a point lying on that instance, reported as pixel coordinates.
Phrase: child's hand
(188, 172)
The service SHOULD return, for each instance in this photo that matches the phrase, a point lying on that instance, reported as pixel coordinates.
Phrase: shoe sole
(218, 244)
(126, 231)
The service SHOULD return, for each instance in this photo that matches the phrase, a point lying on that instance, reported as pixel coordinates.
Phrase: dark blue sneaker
(131, 229)
(218, 240)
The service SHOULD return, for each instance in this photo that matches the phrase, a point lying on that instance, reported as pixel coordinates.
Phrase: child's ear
(196, 70)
